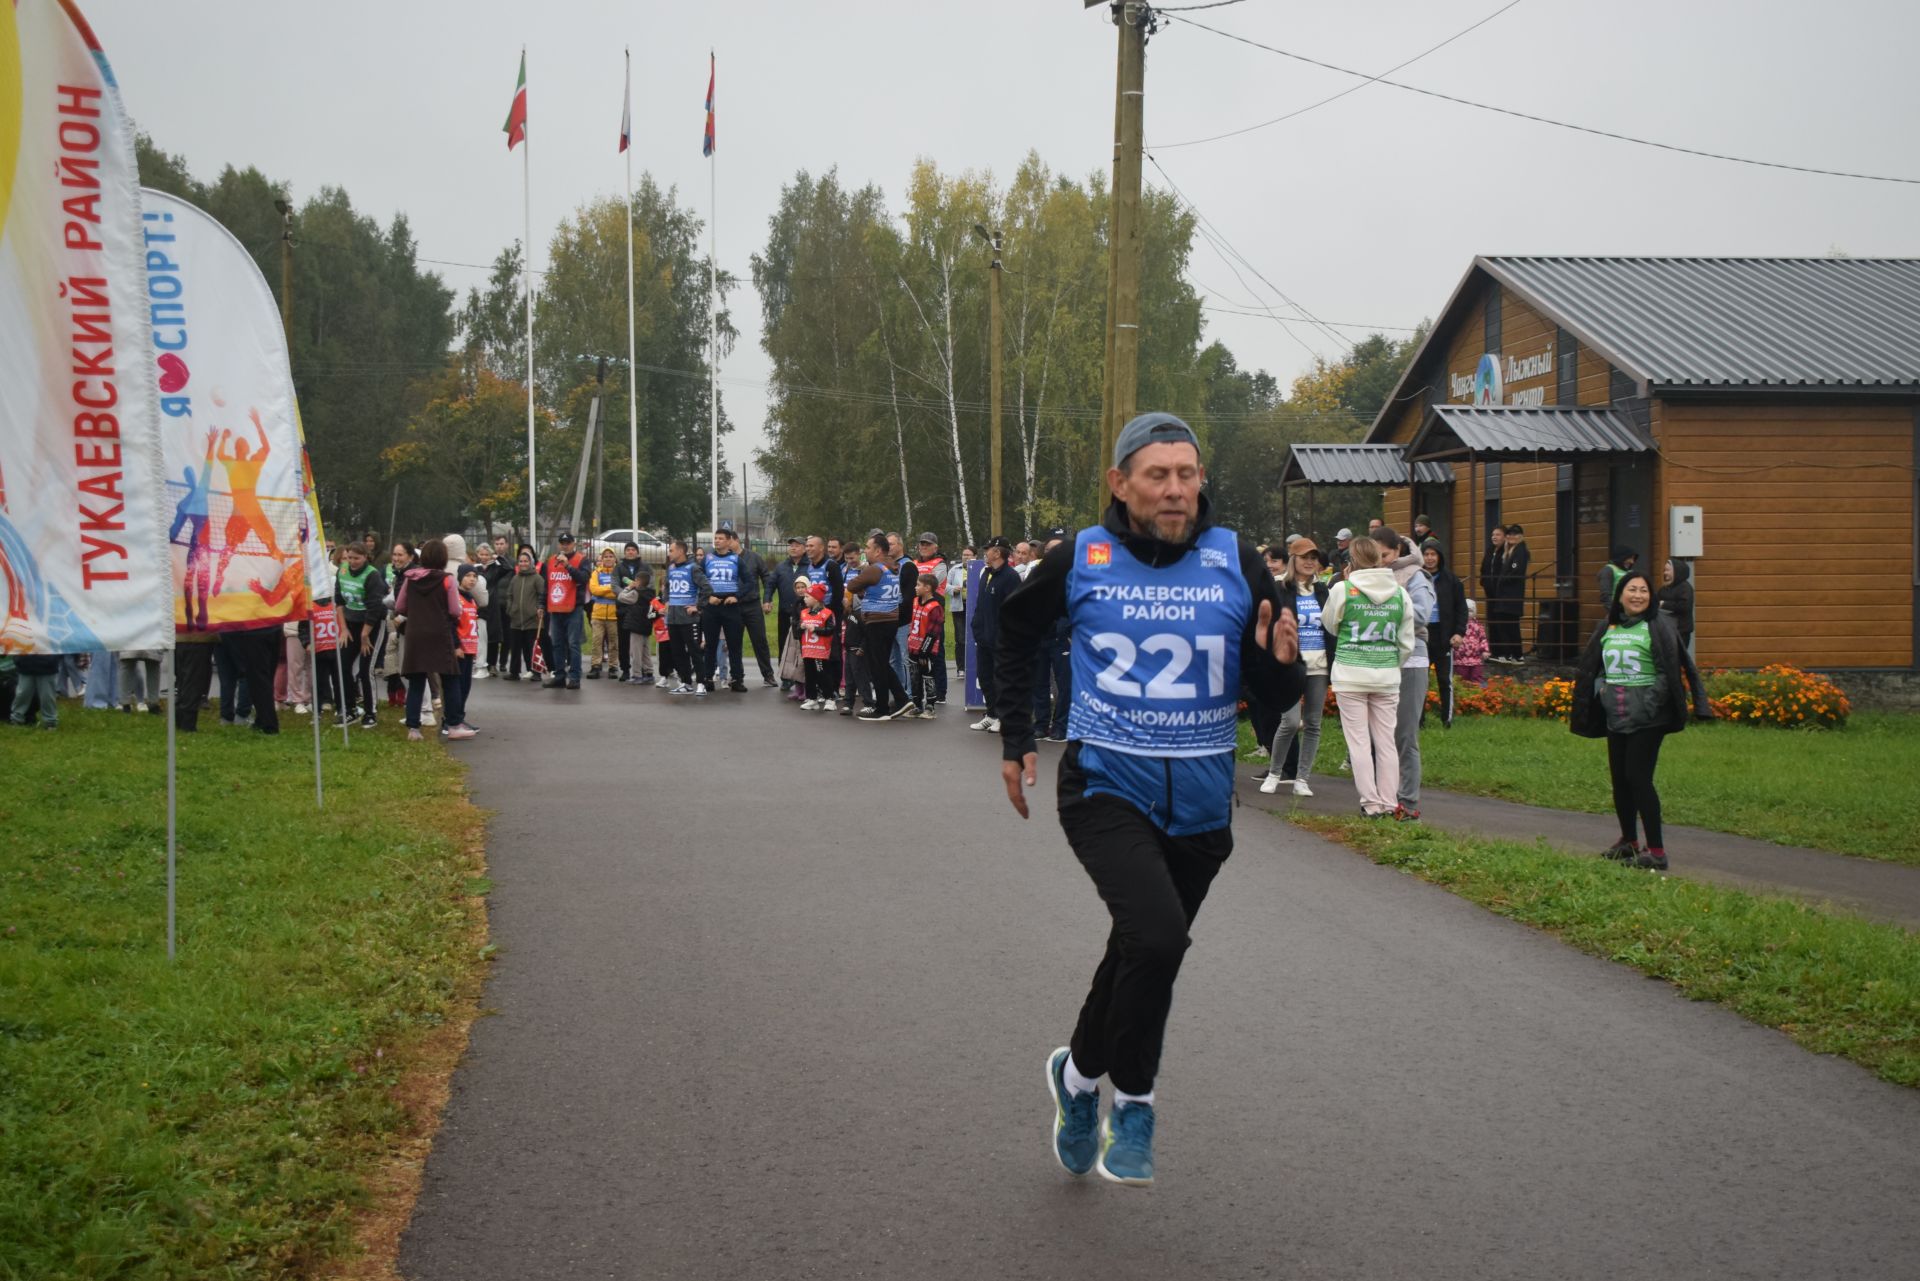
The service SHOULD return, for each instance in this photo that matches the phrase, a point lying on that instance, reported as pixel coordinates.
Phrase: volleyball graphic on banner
(237, 521)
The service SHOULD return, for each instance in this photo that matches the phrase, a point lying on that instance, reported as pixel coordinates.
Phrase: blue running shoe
(1126, 1152)
(1075, 1118)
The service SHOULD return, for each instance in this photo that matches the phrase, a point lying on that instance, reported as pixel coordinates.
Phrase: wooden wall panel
(1776, 479)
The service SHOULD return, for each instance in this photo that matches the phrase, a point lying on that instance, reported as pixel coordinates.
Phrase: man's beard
(1150, 527)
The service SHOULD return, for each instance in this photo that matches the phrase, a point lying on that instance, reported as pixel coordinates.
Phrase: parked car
(653, 548)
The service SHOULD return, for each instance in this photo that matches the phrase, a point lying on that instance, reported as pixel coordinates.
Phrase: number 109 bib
(1156, 652)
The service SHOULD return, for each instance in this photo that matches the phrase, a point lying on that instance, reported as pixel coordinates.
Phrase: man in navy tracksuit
(1169, 612)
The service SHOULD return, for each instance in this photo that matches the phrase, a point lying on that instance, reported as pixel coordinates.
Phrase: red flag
(516, 126)
(706, 147)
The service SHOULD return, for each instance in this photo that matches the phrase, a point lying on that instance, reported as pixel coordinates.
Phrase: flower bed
(1780, 695)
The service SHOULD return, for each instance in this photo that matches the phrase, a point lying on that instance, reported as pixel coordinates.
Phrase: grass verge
(223, 1115)
(1834, 983)
(1848, 790)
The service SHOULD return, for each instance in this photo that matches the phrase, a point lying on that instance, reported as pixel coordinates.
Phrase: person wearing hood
(496, 569)
(429, 601)
(634, 577)
(1446, 623)
(566, 572)
(1168, 613)
(1371, 620)
(1631, 691)
(1400, 555)
(1676, 602)
(1614, 572)
(526, 593)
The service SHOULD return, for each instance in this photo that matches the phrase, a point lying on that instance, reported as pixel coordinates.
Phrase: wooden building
(1768, 408)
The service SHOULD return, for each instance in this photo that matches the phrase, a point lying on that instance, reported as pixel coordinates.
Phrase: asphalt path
(774, 993)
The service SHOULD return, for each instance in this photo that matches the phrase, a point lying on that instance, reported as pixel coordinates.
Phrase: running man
(243, 484)
(192, 513)
(1168, 612)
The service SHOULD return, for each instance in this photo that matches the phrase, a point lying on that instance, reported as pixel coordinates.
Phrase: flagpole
(633, 383)
(526, 272)
(173, 803)
(713, 332)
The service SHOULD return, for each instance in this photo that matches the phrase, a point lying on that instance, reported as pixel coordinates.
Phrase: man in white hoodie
(1404, 559)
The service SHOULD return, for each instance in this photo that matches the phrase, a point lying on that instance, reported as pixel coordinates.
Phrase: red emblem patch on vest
(1099, 553)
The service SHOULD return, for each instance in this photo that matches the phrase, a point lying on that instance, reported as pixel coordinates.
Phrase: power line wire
(1339, 343)
(1301, 111)
(1558, 124)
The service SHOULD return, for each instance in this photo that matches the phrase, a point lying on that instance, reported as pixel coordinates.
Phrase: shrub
(1778, 695)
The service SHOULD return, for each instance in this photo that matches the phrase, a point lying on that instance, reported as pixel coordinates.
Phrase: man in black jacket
(1169, 613)
(636, 627)
(784, 575)
(753, 619)
(996, 580)
(1445, 630)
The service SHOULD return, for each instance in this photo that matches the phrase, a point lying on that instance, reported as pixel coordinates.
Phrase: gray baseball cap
(1152, 429)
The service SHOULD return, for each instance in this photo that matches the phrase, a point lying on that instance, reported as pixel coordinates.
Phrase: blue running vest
(1156, 652)
(884, 596)
(680, 584)
(723, 574)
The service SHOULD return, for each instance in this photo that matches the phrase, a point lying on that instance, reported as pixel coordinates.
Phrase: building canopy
(1371, 466)
(1509, 433)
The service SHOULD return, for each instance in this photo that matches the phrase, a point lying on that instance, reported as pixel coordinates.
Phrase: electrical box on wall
(1685, 537)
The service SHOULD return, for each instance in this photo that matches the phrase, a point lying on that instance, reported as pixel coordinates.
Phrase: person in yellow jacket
(602, 588)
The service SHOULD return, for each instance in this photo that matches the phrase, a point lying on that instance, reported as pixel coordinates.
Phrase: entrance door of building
(1630, 506)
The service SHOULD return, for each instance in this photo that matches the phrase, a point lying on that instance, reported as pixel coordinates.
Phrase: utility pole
(600, 451)
(995, 379)
(286, 273)
(1121, 388)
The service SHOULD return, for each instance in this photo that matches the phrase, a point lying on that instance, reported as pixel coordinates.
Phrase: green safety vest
(353, 588)
(1370, 630)
(1626, 656)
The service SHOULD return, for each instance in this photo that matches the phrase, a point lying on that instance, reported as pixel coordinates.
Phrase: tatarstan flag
(516, 126)
(706, 145)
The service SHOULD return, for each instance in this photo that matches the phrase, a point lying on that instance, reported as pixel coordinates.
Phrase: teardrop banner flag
(236, 511)
(82, 546)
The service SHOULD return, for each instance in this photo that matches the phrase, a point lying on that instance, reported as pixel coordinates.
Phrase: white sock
(1076, 1083)
(1121, 1100)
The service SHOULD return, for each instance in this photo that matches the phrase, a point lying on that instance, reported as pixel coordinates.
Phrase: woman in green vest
(1370, 619)
(1632, 691)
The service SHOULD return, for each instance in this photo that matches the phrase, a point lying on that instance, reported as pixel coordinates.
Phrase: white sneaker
(482, 674)
(985, 722)
(1300, 787)
(139, 707)
(299, 709)
(681, 689)
(1270, 784)
(1259, 753)
(426, 718)
(806, 705)
(701, 691)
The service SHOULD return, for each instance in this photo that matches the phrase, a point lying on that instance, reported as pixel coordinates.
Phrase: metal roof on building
(1508, 431)
(1735, 322)
(1377, 466)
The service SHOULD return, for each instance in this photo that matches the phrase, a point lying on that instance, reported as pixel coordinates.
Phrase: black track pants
(1631, 760)
(1153, 885)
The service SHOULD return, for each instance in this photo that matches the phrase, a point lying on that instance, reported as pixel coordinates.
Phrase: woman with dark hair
(1631, 691)
(430, 603)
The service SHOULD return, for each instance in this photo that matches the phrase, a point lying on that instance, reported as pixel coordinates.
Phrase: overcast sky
(1366, 210)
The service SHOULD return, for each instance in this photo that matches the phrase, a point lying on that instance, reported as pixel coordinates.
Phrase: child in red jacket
(819, 634)
(924, 640)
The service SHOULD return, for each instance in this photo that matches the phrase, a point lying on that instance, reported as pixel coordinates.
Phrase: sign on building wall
(1495, 380)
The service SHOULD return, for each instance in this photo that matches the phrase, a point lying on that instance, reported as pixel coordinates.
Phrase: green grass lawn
(214, 1117)
(1834, 983)
(1853, 790)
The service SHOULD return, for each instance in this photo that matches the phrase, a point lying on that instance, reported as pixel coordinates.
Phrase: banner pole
(313, 687)
(340, 689)
(173, 703)
(713, 335)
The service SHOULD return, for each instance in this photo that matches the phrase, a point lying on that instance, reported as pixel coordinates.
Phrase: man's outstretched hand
(1281, 639)
(1013, 773)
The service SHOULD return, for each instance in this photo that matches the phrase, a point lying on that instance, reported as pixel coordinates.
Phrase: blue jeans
(900, 647)
(565, 633)
(1052, 690)
(31, 689)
